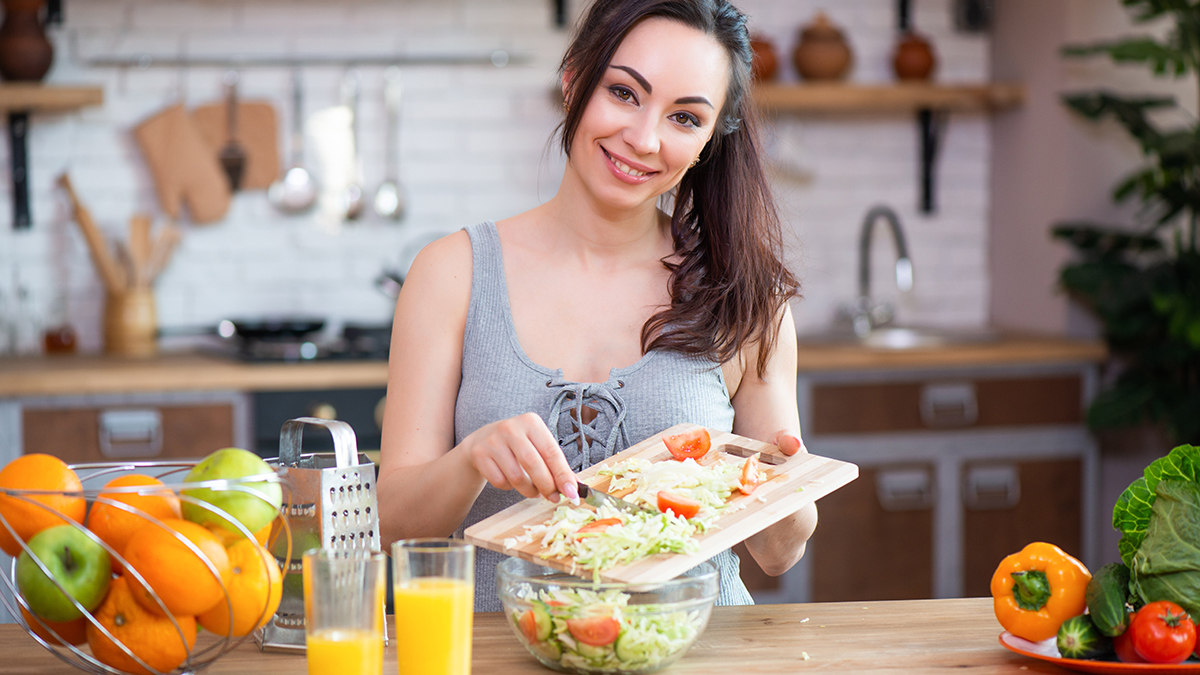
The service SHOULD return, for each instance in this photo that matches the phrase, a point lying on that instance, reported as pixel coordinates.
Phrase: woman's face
(655, 108)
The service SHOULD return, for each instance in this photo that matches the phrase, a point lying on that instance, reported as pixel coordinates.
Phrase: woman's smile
(628, 171)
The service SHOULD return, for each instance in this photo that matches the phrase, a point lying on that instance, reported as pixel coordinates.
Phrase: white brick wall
(474, 146)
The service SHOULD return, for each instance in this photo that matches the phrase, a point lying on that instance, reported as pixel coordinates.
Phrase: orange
(74, 632)
(229, 537)
(181, 578)
(255, 588)
(152, 637)
(37, 472)
(114, 525)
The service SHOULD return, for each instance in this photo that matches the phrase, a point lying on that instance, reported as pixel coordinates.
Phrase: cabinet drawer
(137, 432)
(943, 404)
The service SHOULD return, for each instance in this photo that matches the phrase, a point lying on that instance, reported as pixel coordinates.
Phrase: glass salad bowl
(573, 625)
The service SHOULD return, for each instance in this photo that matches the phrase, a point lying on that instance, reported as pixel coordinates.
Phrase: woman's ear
(567, 77)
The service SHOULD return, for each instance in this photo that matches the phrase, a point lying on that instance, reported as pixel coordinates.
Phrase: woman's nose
(642, 134)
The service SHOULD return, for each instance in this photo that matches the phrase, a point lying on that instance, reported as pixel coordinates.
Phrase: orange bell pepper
(1036, 590)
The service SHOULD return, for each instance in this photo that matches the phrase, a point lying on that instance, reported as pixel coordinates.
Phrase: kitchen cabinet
(959, 466)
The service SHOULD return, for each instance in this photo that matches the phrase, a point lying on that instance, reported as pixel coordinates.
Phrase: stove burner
(357, 343)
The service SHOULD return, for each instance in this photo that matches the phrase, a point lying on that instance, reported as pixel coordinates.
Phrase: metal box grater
(333, 505)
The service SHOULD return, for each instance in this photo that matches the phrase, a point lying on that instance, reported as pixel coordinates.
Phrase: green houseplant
(1143, 283)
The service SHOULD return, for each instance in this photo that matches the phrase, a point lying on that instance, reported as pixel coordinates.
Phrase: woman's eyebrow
(637, 76)
(650, 90)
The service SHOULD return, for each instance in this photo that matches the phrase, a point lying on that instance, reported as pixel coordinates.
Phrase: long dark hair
(730, 283)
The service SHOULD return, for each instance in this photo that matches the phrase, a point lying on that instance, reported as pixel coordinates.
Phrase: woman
(527, 349)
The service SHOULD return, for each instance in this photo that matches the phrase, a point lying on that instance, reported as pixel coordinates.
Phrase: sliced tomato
(596, 631)
(597, 526)
(1163, 633)
(528, 624)
(685, 507)
(750, 477)
(690, 444)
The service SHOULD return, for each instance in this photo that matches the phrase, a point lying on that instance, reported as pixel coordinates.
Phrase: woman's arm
(426, 483)
(765, 408)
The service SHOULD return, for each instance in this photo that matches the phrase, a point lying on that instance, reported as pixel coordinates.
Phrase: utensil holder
(131, 323)
(334, 506)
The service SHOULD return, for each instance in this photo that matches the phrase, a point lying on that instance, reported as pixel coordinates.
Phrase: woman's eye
(686, 119)
(622, 93)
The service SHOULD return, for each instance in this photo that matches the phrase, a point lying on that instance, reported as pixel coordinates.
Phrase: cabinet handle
(904, 489)
(130, 433)
(992, 487)
(949, 404)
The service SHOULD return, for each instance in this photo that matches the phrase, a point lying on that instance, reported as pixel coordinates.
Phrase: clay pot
(822, 53)
(914, 58)
(25, 53)
(765, 64)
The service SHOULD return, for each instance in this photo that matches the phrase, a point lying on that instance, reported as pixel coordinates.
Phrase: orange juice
(345, 652)
(433, 626)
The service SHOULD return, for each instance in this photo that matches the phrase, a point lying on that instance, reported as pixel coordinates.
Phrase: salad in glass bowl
(576, 626)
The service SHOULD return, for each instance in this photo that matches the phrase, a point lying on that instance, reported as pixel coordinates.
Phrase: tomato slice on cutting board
(597, 526)
(685, 507)
(596, 631)
(750, 477)
(690, 444)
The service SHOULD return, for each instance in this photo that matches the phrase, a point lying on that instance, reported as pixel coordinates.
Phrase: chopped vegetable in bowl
(575, 626)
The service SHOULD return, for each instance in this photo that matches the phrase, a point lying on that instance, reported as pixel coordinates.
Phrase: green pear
(255, 503)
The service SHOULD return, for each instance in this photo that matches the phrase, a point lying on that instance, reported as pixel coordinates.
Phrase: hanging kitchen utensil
(183, 165)
(295, 191)
(257, 134)
(352, 194)
(232, 155)
(389, 198)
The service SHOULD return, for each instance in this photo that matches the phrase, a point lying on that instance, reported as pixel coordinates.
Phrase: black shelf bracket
(18, 136)
(931, 125)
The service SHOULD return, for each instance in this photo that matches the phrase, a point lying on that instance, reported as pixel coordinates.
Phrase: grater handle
(345, 446)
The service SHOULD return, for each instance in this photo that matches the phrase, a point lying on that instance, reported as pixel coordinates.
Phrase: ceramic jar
(822, 52)
(765, 64)
(25, 53)
(914, 59)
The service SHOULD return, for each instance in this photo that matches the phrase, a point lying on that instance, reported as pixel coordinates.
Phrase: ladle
(389, 198)
(295, 191)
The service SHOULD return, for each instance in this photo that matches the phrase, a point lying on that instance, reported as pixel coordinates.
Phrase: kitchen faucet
(866, 315)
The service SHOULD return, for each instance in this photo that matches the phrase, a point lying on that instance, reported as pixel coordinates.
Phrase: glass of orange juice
(343, 611)
(434, 599)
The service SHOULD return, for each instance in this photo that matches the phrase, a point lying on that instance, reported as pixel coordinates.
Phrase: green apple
(79, 564)
(254, 503)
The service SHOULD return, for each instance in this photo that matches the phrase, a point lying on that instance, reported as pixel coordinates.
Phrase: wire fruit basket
(103, 651)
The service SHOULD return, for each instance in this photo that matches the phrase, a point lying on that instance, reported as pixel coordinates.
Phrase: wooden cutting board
(799, 481)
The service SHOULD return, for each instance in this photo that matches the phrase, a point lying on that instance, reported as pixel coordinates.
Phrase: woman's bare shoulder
(439, 279)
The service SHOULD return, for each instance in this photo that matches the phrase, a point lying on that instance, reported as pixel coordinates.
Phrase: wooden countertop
(911, 636)
(1008, 350)
(99, 374)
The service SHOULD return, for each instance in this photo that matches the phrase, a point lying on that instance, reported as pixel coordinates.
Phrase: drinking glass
(343, 611)
(434, 600)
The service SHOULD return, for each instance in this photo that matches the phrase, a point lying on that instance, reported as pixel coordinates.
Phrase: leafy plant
(1144, 283)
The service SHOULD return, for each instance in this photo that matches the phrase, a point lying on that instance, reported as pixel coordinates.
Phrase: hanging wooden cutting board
(799, 481)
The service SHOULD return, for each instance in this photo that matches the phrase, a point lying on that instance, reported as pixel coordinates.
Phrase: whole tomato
(1163, 633)
(1123, 646)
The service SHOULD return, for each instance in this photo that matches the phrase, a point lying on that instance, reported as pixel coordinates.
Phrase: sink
(902, 337)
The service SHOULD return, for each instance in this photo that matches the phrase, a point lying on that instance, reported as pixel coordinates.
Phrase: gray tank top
(500, 381)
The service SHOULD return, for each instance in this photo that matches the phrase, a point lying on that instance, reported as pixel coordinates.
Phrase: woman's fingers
(521, 454)
(788, 442)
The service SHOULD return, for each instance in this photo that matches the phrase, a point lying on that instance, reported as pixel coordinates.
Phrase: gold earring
(694, 162)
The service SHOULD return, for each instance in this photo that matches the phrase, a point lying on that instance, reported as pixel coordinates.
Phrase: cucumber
(541, 619)
(549, 650)
(1078, 638)
(1105, 596)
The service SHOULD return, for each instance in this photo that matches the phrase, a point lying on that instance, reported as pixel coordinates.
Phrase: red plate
(1047, 650)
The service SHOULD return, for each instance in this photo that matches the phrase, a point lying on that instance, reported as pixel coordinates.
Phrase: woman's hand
(788, 442)
(520, 453)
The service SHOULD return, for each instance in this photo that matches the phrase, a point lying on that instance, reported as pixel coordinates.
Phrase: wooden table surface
(910, 636)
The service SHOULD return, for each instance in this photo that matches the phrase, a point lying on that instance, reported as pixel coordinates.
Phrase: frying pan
(280, 328)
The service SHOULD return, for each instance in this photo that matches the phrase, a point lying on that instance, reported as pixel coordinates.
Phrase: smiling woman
(649, 291)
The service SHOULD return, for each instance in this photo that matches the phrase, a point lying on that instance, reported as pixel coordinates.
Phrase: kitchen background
(475, 144)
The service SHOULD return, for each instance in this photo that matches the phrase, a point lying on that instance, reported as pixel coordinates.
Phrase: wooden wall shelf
(19, 100)
(43, 98)
(886, 98)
